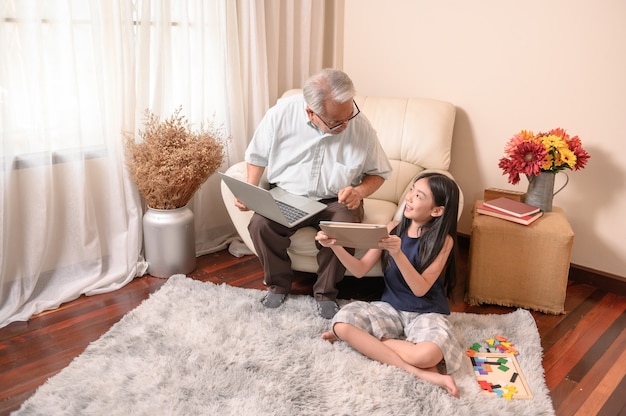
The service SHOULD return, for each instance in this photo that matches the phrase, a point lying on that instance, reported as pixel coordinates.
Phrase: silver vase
(169, 241)
(540, 191)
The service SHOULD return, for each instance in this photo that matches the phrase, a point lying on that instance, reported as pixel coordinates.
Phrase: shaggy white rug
(196, 348)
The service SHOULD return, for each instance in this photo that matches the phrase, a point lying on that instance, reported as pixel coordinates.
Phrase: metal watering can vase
(541, 192)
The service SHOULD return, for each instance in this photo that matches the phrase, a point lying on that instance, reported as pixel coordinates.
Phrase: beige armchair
(416, 134)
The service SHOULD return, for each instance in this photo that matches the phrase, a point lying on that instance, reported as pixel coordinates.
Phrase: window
(49, 77)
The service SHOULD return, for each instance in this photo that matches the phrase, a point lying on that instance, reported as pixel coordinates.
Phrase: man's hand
(350, 197)
(240, 205)
(254, 177)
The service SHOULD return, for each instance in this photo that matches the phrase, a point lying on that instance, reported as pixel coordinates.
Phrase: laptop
(276, 204)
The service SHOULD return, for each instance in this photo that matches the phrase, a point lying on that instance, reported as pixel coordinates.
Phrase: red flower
(581, 155)
(525, 158)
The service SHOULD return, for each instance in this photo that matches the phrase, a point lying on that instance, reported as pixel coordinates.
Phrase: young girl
(408, 328)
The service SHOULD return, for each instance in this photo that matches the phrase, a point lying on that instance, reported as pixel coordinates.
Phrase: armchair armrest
(239, 218)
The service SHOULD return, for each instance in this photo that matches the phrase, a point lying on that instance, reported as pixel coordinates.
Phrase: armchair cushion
(416, 134)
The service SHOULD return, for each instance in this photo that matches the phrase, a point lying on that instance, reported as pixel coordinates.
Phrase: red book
(511, 207)
(525, 220)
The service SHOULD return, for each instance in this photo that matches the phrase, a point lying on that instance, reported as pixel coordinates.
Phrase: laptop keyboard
(291, 213)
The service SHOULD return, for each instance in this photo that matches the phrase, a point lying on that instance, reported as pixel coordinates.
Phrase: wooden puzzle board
(499, 374)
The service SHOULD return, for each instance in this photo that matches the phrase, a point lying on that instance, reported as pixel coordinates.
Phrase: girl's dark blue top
(398, 294)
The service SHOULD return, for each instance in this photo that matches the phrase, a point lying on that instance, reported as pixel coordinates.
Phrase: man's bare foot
(329, 336)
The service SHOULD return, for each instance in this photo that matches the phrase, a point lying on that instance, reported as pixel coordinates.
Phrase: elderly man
(316, 144)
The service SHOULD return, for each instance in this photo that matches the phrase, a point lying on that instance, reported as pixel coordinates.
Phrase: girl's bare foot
(329, 336)
(442, 380)
(447, 382)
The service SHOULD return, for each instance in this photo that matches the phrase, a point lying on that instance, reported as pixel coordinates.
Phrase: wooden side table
(519, 265)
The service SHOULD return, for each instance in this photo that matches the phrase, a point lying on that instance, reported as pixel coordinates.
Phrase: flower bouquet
(530, 154)
(540, 157)
(171, 161)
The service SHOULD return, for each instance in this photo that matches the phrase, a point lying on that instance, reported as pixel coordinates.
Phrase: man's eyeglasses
(334, 125)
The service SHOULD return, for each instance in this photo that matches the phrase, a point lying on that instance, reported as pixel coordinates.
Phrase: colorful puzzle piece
(485, 385)
(511, 388)
(507, 395)
(496, 344)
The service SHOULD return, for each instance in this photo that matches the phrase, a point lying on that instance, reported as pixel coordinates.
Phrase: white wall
(509, 66)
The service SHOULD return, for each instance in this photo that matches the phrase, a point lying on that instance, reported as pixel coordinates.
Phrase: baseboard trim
(581, 274)
(605, 281)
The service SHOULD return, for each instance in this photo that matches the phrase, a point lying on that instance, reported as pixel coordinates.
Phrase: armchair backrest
(416, 134)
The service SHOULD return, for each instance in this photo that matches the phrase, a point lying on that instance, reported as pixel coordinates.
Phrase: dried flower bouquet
(171, 162)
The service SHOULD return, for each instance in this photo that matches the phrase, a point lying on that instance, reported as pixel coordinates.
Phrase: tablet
(355, 235)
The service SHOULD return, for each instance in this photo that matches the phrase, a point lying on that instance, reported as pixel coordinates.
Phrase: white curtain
(182, 60)
(74, 74)
(282, 43)
(69, 221)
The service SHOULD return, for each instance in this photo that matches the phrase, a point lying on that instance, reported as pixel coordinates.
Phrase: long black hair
(433, 234)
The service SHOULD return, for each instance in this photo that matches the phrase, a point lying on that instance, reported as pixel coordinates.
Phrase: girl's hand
(392, 244)
(323, 239)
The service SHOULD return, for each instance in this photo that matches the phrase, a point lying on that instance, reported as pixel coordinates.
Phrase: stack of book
(510, 210)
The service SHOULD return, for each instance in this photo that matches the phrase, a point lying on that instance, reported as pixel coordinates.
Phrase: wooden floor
(584, 349)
